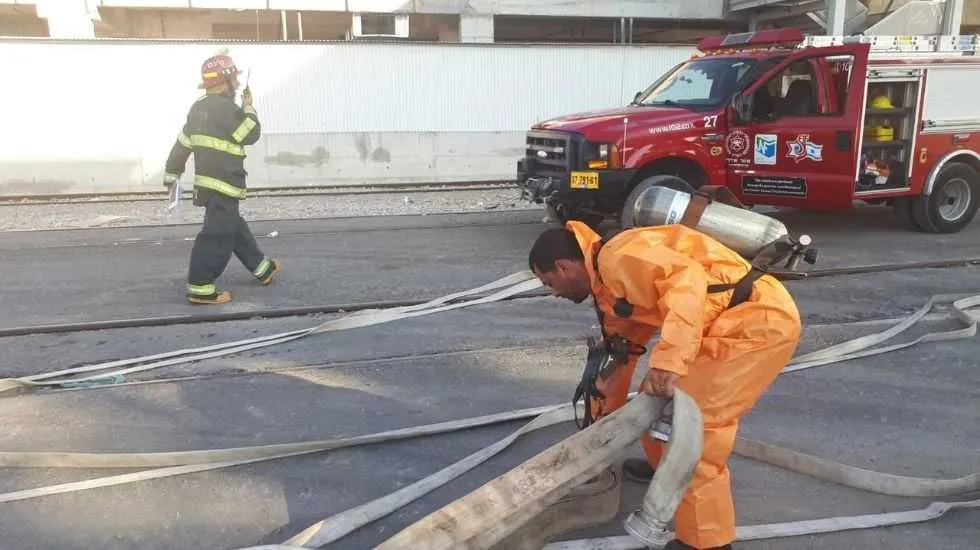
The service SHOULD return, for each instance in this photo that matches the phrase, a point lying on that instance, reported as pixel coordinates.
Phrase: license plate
(584, 180)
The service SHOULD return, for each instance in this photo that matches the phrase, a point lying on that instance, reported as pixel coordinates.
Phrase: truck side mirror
(636, 98)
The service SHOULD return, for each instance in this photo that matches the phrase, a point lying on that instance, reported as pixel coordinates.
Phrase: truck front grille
(548, 154)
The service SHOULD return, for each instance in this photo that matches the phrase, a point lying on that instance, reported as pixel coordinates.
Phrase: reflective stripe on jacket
(216, 132)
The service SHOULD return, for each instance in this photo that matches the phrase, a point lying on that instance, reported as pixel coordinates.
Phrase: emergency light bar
(769, 37)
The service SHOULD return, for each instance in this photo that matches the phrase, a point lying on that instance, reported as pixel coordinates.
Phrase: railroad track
(325, 190)
(271, 313)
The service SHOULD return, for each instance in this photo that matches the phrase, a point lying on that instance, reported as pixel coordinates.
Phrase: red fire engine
(781, 119)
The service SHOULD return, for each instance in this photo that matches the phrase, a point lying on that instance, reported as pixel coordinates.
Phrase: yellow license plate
(584, 180)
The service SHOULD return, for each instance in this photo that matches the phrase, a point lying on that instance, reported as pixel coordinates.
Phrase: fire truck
(781, 119)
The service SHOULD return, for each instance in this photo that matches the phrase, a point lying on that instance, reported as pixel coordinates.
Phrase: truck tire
(562, 214)
(902, 207)
(673, 182)
(953, 202)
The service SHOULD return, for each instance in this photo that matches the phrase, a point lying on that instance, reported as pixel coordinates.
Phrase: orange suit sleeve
(669, 290)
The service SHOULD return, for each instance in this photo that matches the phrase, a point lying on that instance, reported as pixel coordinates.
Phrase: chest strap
(743, 288)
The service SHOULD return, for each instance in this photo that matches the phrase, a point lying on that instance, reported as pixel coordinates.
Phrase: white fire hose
(488, 515)
(168, 464)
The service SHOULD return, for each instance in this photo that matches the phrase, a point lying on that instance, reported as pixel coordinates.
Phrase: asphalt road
(912, 412)
(101, 274)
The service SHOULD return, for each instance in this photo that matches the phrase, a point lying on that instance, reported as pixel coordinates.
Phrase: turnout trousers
(224, 233)
(743, 350)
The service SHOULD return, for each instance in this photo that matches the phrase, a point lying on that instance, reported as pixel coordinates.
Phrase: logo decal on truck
(765, 149)
(803, 148)
(737, 143)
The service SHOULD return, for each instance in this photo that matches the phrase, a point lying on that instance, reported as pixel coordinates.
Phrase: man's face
(568, 280)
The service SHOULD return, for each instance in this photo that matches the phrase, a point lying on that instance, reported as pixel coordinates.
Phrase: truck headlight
(607, 157)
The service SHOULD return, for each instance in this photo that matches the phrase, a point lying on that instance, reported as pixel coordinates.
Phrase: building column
(836, 16)
(952, 17)
(68, 18)
(475, 28)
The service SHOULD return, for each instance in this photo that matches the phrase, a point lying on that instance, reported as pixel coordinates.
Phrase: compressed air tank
(740, 229)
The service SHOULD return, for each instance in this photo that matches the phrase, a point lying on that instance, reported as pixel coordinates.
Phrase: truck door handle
(844, 140)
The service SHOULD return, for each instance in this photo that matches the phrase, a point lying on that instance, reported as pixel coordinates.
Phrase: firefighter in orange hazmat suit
(721, 342)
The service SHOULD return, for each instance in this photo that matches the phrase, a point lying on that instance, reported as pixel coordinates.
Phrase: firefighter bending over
(726, 331)
(216, 131)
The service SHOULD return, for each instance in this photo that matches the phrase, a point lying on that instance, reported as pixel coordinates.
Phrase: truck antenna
(622, 160)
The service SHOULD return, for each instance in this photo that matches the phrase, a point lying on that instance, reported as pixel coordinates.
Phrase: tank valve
(799, 249)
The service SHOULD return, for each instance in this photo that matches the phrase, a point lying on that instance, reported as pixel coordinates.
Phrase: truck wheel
(561, 214)
(902, 207)
(673, 182)
(953, 202)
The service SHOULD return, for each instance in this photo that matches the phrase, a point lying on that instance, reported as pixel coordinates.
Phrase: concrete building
(597, 21)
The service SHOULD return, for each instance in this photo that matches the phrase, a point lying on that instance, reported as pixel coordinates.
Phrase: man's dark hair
(552, 245)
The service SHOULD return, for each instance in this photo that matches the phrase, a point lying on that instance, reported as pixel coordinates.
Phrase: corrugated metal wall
(82, 116)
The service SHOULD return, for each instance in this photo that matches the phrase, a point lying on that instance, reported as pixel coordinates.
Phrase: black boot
(637, 469)
(678, 545)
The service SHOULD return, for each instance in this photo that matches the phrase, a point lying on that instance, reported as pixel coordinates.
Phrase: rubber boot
(272, 272)
(220, 297)
(638, 469)
(678, 545)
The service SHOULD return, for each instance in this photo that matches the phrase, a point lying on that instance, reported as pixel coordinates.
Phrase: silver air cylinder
(742, 230)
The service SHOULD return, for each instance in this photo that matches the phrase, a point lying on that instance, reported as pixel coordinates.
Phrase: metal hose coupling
(672, 476)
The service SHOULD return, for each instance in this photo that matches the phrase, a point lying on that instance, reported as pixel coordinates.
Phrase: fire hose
(168, 464)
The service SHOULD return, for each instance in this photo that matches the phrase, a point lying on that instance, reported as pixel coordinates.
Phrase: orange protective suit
(726, 357)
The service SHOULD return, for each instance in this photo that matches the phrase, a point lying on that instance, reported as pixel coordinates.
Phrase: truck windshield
(705, 82)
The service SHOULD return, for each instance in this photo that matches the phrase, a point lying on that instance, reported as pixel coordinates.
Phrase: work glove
(169, 180)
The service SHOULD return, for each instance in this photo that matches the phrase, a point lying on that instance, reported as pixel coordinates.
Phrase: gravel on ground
(80, 214)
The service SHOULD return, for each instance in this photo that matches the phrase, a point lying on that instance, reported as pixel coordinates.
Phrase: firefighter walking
(216, 132)
(726, 331)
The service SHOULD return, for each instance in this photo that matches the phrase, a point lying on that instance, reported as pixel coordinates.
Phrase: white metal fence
(101, 116)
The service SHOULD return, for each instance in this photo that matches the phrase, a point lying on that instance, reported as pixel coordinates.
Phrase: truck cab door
(793, 133)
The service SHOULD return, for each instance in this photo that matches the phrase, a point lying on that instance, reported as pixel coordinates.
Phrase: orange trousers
(742, 352)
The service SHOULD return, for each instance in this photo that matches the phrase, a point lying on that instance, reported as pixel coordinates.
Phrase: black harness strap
(605, 356)
(743, 288)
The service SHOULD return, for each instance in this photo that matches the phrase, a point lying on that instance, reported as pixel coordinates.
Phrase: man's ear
(565, 266)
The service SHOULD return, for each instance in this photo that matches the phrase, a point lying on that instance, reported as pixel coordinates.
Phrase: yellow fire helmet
(884, 133)
(881, 102)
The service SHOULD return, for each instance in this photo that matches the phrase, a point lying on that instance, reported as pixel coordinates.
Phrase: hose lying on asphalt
(336, 526)
(773, 530)
(487, 516)
(512, 285)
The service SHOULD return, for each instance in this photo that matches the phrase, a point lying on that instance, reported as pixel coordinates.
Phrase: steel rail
(298, 311)
(320, 190)
(264, 313)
